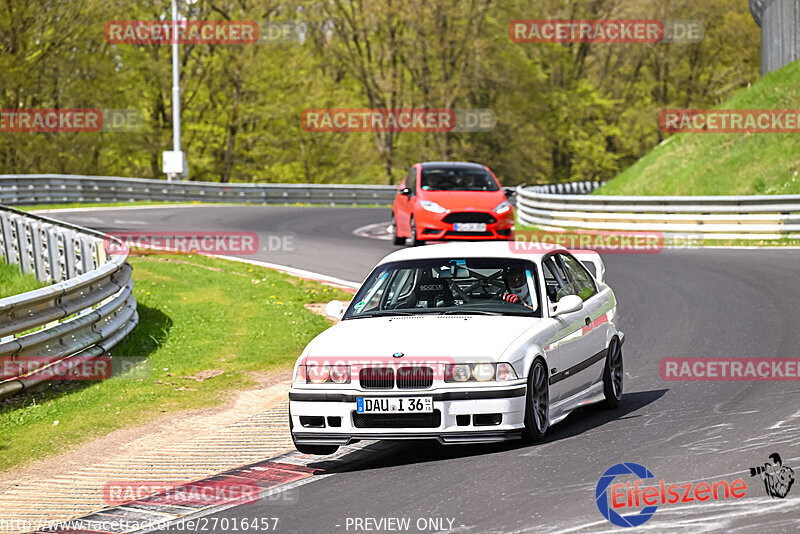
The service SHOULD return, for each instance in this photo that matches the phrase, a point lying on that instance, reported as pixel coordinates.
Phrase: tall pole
(176, 85)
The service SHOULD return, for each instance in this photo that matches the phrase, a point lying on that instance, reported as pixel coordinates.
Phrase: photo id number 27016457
(226, 524)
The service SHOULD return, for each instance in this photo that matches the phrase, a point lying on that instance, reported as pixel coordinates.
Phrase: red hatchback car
(453, 200)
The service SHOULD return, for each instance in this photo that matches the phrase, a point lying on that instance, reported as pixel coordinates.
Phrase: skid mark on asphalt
(382, 231)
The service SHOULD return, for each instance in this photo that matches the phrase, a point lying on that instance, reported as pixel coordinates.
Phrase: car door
(403, 203)
(570, 348)
(594, 310)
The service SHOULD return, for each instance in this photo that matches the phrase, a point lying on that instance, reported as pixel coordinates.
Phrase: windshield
(478, 286)
(457, 179)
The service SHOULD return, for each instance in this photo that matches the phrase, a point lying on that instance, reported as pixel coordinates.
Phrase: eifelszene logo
(778, 478)
(615, 498)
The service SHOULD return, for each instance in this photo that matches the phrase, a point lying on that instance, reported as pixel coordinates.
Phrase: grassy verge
(13, 282)
(206, 326)
(724, 164)
(681, 243)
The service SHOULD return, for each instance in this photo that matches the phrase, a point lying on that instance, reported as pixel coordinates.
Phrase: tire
(613, 376)
(320, 450)
(537, 403)
(413, 241)
(397, 240)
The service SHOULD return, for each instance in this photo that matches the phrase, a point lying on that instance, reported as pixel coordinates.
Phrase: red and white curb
(271, 477)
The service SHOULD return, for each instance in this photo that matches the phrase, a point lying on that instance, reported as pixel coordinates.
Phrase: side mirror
(405, 191)
(335, 309)
(568, 304)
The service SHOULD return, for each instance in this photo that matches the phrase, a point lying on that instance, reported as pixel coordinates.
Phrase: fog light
(483, 372)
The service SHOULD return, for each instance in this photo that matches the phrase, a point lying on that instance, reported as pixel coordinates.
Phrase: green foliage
(724, 163)
(564, 111)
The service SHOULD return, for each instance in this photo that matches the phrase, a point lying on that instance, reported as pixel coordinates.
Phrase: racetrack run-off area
(706, 302)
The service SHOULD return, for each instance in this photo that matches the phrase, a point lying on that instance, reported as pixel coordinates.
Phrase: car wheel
(613, 375)
(320, 450)
(537, 405)
(413, 241)
(397, 240)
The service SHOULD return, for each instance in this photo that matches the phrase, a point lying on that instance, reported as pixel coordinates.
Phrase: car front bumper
(507, 402)
(432, 227)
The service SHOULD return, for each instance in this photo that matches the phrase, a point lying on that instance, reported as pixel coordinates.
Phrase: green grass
(682, 244)
(724, 164)
(196, 314)
(13, 282)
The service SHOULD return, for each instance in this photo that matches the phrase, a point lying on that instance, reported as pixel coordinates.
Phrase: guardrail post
(38, 252)
(8, 240)
(52, 254)
(87, 254)
(68, 240)
(22, 245)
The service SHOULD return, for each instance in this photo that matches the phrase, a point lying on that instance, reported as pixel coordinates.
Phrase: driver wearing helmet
(517, 284)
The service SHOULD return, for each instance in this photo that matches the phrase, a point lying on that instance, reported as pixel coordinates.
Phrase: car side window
(557, 283)
(581, 279)
(411, 180)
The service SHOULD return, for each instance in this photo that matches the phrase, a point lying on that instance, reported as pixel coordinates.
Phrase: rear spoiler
(590, 257)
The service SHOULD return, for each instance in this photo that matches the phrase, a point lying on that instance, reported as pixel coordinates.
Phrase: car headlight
(483, 372)
(340, 374)
(503, 207)
(432, 206)
(323, 374)
(457, 373)
(479, 372)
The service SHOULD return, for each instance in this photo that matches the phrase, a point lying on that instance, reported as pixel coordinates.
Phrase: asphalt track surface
(677, 303)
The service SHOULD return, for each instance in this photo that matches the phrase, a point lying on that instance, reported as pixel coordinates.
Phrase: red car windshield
(457, 179)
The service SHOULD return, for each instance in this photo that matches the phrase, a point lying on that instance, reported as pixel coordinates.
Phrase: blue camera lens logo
(601, 495)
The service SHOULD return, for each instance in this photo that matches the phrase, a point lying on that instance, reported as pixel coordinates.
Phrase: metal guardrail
(702, 217)
(87, 310)
(59, 188)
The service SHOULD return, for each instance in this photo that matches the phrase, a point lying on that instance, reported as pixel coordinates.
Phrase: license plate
(470, 227)
(394, 404)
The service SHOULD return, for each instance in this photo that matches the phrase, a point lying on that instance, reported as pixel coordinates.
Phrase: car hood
(454, 338)
(465, 200)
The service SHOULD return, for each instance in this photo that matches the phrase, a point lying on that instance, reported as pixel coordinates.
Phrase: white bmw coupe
(462, 343)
